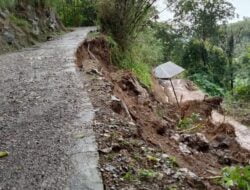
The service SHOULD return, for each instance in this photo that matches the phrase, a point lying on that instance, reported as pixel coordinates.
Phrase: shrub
(206, 59)
(236, 177)
(146, 52)
(123, 20)
(204, 82)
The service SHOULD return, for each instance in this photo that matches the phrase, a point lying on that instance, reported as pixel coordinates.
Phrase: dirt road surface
(45, 119)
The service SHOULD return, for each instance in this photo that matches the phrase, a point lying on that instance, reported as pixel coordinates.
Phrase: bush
(236, 177)
(77, 12)
(123, 20)
(23, 23)
(203, 81)
(7, 3)
(203, 57)
(145, 53)
(243, 92)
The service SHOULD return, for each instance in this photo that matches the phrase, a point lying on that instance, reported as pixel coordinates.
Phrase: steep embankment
(22, 26)
(147, 143)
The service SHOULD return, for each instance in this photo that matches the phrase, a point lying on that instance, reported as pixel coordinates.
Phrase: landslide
(203, 149)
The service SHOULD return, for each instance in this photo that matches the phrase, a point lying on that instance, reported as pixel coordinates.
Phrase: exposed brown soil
(144, 119)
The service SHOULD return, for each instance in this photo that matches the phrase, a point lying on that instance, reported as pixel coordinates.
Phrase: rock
(3, 15)
(160, 176)
(94, 71)
(119, 107)
(9, 37)
(222, 142)
(110, 168)
(106, 135)
(164, 156)
(175, 137)
(35, 28)
(184, 149)
(106, 150)
(131, 123)
(188, 173)
(197, 141)
(168, 171)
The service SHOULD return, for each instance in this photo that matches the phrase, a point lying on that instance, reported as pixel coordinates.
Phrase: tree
(123, 20)
(201, 18)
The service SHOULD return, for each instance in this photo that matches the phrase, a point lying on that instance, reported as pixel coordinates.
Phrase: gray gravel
(45, 119)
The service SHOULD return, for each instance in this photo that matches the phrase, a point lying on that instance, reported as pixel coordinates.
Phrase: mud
(204, 151)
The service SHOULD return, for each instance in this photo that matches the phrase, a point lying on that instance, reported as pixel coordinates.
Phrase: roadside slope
(45, 118)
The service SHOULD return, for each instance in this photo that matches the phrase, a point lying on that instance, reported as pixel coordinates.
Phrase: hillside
(89, 110)
(22, 25)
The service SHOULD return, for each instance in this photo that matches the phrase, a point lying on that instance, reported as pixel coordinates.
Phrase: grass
(142, 71)
(188, 122)
(146, 175)
(7, 3)
(20, 22)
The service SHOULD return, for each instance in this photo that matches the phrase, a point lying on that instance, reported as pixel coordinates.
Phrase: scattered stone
(3, 15)
(106, 150)
(188, 173)
(221, 142)
(110, 168)
(9, 37)
(160, 176)
(94, 71)
(168, 171)
(197, 141)
(175, 137)
(184, 149)
(106, 135)
(79, 136)
(131, 123)
(164, 156)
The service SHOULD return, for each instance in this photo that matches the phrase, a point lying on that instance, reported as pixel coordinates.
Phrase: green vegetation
(189, 122)
(77, 12)
(236, 177)
(72, 13)
(214, 53)
(141, 175)
(7, 3)
(4, 154)
(21, 22)
(146, 175)
(133, 49)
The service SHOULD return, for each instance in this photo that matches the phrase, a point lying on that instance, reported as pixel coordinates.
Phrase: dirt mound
(203, 151)
(204, 108)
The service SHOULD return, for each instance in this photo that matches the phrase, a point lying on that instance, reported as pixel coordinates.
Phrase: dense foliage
(71, 12)
(236, 177)
(201, 18)
(123, 20)
(136, 46)
(77, 12)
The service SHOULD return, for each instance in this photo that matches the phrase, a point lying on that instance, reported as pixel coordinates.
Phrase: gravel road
(45, 119)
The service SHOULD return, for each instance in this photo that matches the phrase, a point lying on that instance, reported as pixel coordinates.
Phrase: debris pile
(146, 143)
